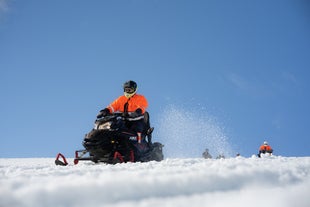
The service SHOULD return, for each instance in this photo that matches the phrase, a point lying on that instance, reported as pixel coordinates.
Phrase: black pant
(136, 126)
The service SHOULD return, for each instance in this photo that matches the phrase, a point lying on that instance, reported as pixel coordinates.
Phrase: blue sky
(244, 63)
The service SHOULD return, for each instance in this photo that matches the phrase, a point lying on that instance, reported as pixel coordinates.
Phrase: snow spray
(187, 133)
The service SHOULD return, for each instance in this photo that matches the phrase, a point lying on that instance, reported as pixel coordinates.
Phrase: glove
(138, 111)
(103, 113)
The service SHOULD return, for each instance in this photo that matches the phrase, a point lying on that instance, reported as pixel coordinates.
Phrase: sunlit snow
(274, 181)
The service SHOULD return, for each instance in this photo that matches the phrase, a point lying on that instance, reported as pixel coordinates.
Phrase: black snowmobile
(110, 141)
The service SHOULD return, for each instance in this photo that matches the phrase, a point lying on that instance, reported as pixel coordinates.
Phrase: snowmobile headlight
(106, 125)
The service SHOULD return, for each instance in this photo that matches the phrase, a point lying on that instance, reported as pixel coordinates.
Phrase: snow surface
(275, 181)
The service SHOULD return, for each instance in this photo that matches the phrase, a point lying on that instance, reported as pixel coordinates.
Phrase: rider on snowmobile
(133, 105)
(265, 148)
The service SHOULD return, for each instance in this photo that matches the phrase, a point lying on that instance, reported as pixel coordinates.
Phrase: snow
(183, 128)
(274, 181)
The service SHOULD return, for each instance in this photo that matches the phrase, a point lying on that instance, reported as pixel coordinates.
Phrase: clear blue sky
(247, 63)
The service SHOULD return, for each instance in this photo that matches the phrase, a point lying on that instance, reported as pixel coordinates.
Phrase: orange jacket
(265, 148)
(134, 102)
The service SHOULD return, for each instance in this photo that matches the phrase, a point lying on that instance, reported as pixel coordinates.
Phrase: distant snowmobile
(265, 150)
(264, 155)
(111, 142)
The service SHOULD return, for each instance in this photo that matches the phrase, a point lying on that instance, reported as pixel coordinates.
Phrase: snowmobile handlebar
(131, 116)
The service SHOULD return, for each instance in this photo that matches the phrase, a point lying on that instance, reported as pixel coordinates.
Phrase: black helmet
(130, 84)
(130, 88)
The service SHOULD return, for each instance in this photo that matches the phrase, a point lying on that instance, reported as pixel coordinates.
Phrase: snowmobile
(264, 154)
(110, 141)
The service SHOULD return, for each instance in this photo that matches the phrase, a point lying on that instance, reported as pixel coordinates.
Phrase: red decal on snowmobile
(118, 156)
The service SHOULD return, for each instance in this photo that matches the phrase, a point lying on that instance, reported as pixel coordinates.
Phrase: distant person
(265, 148)
(220, 156)
(206, 154)
(132, 105)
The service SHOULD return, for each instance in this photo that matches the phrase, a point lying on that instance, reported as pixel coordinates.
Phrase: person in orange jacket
(132, 105)
(265, 148)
